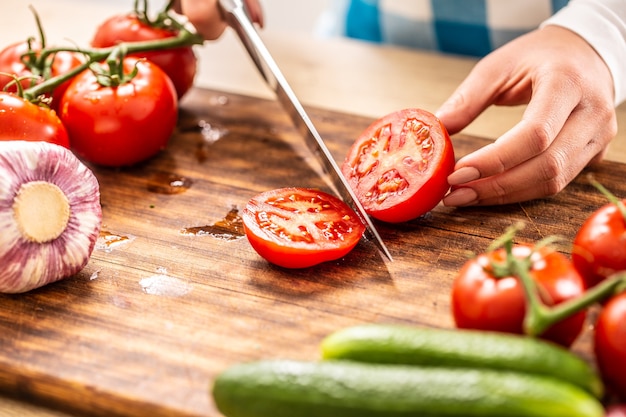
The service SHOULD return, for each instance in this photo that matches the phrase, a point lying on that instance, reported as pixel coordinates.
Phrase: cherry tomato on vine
(178, 63)
(14, 60)
(610, 344)
(23, 120)
(599, 247)
(398, 167)
(483, 300)
(120, 125)
(300, 227)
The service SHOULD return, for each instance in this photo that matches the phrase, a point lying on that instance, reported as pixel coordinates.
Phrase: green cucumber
(460, 348)
(355, 389)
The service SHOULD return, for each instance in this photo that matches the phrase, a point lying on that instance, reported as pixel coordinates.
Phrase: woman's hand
(568, 123)
(206, 17)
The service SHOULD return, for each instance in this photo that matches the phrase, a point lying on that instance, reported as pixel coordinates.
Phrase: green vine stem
(183, 39)
(609, 196)
(539, 316)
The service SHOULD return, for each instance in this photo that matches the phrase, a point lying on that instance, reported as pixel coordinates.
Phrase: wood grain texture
(148, 324)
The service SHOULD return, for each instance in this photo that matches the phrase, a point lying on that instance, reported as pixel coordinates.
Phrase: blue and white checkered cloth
(476, 27)
(467, 27)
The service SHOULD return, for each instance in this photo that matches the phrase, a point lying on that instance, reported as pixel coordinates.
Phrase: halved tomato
(399, 166)
(300, 227)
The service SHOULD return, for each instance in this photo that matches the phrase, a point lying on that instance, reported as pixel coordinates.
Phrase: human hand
(568, 123)
(205, 15)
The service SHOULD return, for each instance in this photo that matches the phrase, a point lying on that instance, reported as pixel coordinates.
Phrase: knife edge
(237, 17)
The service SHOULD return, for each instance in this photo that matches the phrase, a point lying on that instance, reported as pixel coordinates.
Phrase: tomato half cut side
(399, 166)
(300, 227)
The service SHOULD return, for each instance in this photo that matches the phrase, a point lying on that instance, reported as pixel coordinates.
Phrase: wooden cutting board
(174, 294)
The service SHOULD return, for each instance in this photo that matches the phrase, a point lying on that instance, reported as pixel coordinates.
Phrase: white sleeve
(602, 23)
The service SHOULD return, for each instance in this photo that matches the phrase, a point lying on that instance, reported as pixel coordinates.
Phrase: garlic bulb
(50, 214)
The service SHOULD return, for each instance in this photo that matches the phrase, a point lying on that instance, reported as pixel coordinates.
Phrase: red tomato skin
(610, 344)
(23, 120)
(11, 63)
(283, 251)
(482, 301)
(425, 187)
(180, 64)
(123, 125)
(599, 247)
(616, 411)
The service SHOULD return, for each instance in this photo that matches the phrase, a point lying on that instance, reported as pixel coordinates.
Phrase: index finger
(552, 102)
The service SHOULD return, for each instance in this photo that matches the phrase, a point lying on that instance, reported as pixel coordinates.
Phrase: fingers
(255, 11)
(543, 119)
(206, 18)
(568, 123)
(547, 173)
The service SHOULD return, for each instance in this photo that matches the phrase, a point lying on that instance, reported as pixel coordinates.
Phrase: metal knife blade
(236, 16)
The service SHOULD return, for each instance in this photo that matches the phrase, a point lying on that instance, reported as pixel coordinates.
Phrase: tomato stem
(609, 195)
(93, 55)
(539, 316)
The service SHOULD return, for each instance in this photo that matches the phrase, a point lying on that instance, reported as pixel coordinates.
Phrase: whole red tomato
(178, 63)
(599, 248)
(399, 166)
(300, 227)
(121, 125)
(23, 120)
(610, 344)
(14, 61)
(485, 301)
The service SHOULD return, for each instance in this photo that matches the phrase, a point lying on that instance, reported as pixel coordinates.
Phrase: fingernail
(461, 197)
(463, 175)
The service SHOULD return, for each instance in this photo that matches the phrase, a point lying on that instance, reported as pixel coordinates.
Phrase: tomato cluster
(117, 109)
(486, 298)
(489, 294)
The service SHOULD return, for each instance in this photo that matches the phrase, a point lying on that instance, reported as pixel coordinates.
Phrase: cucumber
(339, 388)
(460, 348)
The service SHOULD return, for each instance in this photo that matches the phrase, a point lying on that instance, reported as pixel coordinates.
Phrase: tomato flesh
(300, 227)
(483, 301)
(398, 167)
(599, 248)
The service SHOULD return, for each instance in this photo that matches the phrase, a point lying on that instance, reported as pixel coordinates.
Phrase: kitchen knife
(236, 16)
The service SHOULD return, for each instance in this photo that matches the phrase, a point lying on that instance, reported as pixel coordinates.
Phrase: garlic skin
(50, 214)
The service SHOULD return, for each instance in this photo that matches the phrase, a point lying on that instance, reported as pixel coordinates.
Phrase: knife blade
(236, 16)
